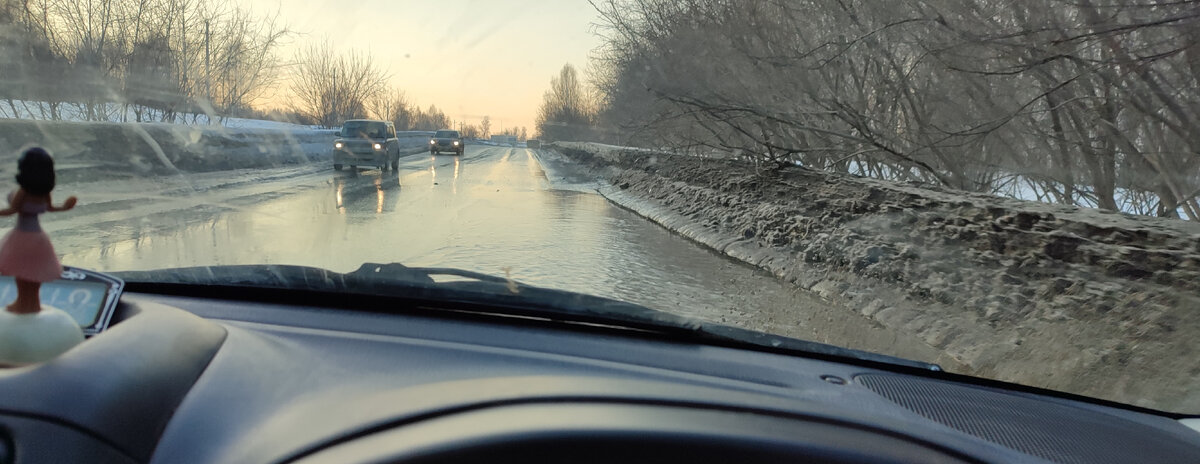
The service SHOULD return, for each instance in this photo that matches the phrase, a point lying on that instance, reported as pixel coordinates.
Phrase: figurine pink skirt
(28, 255)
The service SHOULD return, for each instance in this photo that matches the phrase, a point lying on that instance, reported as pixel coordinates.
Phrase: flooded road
(496, 210)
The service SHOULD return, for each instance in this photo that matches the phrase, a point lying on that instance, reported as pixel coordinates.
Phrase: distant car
(366, 142)
(533, 143)
(447, 140)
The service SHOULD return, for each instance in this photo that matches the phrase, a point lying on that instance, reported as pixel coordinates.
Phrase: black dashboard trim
(493, 313)
(6, 446)
(601, 400)
(592, 401)
(53, 420)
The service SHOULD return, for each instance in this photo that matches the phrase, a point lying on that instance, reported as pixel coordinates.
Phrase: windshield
(364, 129)
(1006, 189)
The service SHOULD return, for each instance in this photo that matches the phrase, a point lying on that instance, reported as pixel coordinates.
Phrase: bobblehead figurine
(30, 332)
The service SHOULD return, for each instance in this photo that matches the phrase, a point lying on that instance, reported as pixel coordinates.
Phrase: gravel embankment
(1054, 296)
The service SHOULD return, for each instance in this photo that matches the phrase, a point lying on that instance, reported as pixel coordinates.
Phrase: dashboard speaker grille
(1045, 429)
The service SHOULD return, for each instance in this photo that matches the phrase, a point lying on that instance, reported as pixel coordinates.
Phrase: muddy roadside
(1065, 298)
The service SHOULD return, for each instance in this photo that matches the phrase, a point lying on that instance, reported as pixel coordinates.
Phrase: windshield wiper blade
(515, 298)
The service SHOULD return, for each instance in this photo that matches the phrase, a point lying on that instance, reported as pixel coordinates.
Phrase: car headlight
(456, 143)
(378, 146)
(337, 144)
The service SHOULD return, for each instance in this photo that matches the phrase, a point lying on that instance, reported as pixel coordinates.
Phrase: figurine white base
(34, 338)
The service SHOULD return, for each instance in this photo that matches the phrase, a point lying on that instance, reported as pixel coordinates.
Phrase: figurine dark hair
(35, 171)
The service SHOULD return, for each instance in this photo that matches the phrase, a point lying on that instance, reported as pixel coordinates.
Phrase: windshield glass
(1007, 189)
(364, 129)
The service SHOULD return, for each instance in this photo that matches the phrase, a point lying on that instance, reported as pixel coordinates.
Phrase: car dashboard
(203, 377)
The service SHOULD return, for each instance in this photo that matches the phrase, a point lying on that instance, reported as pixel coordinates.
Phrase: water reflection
(341, 187)
(508, 216)
(455, 167)
(378, 195)
(432, 171)
(349, 189)
(535, 168)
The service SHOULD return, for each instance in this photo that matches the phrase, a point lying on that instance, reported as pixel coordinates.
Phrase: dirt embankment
(1060, 297)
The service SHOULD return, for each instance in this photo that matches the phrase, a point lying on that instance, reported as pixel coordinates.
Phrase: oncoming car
(365, 142)
(447, 140)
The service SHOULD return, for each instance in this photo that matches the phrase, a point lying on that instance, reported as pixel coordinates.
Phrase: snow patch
(139, 149)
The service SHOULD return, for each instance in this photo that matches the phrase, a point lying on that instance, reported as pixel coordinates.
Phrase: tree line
(1083, 102)
(328, 87)
(153, 59)
(183, 61)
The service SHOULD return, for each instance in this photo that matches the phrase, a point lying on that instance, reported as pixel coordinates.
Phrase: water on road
(495, 210)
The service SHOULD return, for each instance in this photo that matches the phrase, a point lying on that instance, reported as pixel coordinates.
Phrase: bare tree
(393, 106)
(429, 119)
(155, 58)
(565, 113)
(1082, 102)
(330, 87)
(240, 62)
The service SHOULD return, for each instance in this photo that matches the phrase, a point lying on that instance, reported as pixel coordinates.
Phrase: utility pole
(207, 69)
(334, 96)
(187, 94)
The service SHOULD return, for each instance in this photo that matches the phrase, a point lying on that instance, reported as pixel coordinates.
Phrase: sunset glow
(471, 58)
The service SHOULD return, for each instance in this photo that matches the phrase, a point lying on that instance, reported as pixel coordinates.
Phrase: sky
(471, 58)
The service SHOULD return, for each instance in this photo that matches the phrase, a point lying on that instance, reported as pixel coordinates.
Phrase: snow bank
(1067, 298)
(120, 112)
(157, 148)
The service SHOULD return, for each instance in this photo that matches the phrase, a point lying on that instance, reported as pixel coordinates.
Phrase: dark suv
(447, 140)
(366, 142)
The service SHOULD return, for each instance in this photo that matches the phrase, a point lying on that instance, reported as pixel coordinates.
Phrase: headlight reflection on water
(378, 195)
(340, 207)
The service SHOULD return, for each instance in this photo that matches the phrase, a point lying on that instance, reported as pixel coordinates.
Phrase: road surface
(498, 210)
